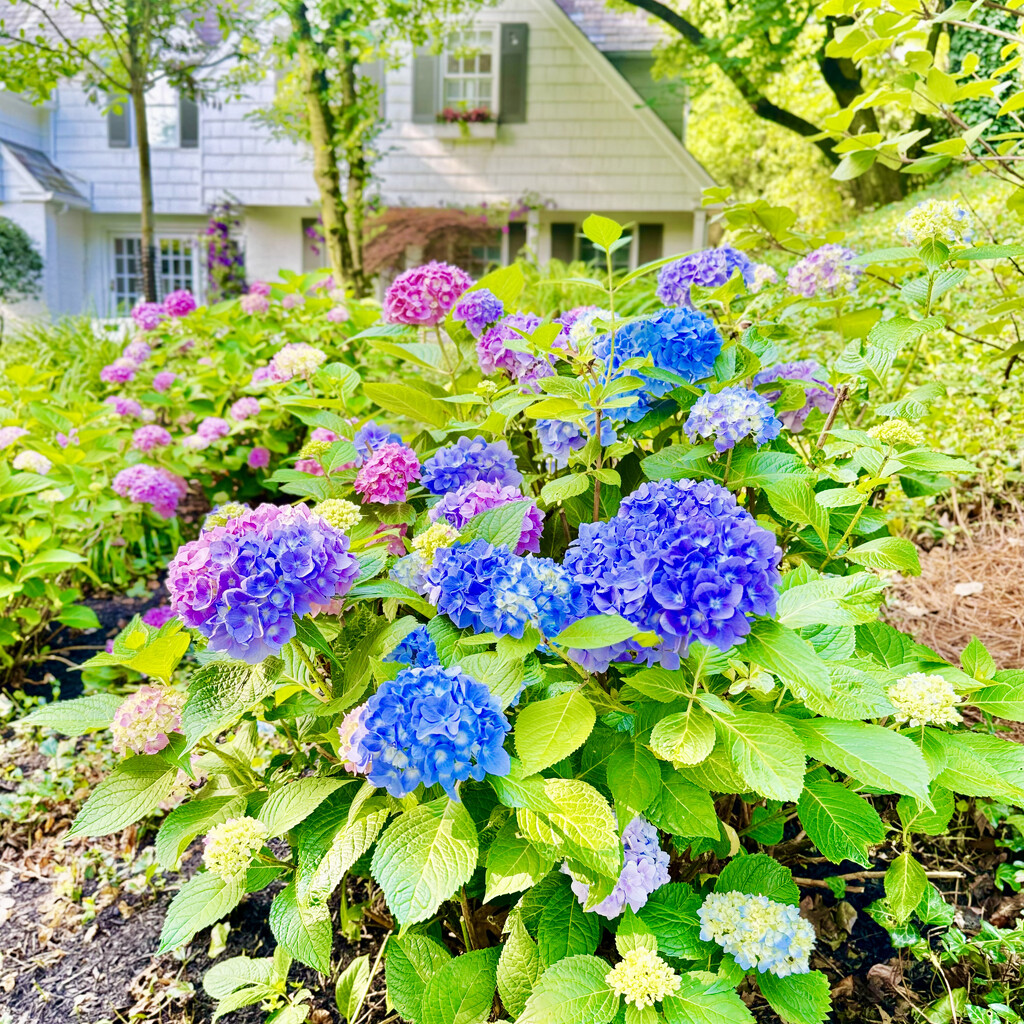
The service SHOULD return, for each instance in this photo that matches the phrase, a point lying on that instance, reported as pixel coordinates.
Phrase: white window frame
(449, 53)
(198, 286)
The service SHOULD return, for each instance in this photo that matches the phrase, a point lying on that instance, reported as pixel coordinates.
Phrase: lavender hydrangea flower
(644, 869)
(369, 437)
(158, 616)
(213, 428)
(258, 457)
(148, 315)
(124, 406)
(467, 461)
(244, 409)
(479, 309)
(430, 726)
(820, 396)
(486, 588)
(151, 436)
(163, 380)
(422, 296)
(828, 270)
(710, 268)
(179, 303)
(137, 351)
(558, 438)
(254, 303)
(120, 371)
(242, 584)
(416, 649)
(730, 415)
(8, 435)
(459, 507)
(680, 559)
(151, 485)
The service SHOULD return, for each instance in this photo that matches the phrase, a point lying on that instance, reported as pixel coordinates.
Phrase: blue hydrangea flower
(416, 649)
(819, 396)
(467, 461)
(487, 588)
(681, 341)
(429, 726)
(558, 438)
(708, 269)
(479, 309)
(681, 559)
(410, 571)
(730, 415)
(644, 869)
(370, 437)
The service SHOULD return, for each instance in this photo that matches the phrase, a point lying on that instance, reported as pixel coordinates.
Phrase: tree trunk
(358, 172)
(316, 91)
(138, 98)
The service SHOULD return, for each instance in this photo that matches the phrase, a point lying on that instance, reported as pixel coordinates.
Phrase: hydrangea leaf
(682, 808)
(573, 991)
(405, 400)
(501, 525)
(687, 737)
(905, 884)
(412, 960)
(519, 967)
(671, 914)
(219, 693)
(659, 684)
(833, 601)
(634, 777)
(767, 753)
(855, 694)
(304, 929)
(131, 791)
(1003, 697)
(295, 801)
(351, 987)
(976, 764)
(514, 863)
(632, 933)
(596, 631)
(461, 991)
(795, 500)
(695, 1003)
(917, 817)
(153, 652)
(203, 900)
(566, 929)
(757, 874)
(423, 857)
(787, 655)
(190, 820)
(78, 716)
(798, 998)
(548, 730)
(843, 825)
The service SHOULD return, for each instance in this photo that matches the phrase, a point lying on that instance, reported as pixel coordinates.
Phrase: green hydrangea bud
(222, 513)
(643, 978)
(440, 535)
(921, 699)
(897, 431)
(229, 846)
(341, 514)
(315, 449)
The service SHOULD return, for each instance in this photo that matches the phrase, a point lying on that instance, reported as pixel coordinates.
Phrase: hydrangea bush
(567, 627)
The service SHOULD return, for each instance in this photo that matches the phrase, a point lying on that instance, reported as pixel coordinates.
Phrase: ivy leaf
(843, 825)
(78, 716)
(203, 900)
(519, 968)
(303, 929)
(423, 857)
(798, 998)
(130, 792)
(905, 884)
(461, 991)
(573, 991)
(548, 730)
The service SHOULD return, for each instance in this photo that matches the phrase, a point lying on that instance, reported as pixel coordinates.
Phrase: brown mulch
(971, 585)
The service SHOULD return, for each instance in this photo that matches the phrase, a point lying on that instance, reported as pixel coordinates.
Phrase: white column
(700, 229)
(533, 234)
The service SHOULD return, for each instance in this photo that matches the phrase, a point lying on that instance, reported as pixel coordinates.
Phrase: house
(578, 126)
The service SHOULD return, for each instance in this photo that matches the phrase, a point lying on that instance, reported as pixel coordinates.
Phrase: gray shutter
(515, 39)
(425, 70)
(188, 123)
(119, 126)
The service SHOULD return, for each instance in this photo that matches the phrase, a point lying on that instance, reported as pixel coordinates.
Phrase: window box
(467, 131)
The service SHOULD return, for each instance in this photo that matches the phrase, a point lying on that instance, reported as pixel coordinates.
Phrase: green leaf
(596, 631)
(563, 487)
(308, 632)
(886, 553)
(795, 500)
(1004, 697)
(548, 730)
(686, 737)
(634, 778)
(757, 874)
(832, 601)
(671, 914)
(854, 164)
(501, 525)
(632, 934)
(303, 929)
(406, 400)
(767, 753)
(143, 649)
(787, 655)
(661, 684)
(682, 808)
(918, 817)
(573, 991)
(976, 661)
(203, 900)
(187, 822)
(351, 987)
(843, 825)
(518, 968)
(78, 716)
(677, 462)
(220, 693)
(697, 1003)
(461, 991)
(78, 616)
(566, 929)
(295, 801)
(980, 765)
(798, 998)
(423, 857)
(603, 231)
(132, 790)
(514, 863)
(905, 884)
(871, 754)
(411, 961)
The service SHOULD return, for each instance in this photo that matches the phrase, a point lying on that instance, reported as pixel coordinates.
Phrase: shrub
(21, 266)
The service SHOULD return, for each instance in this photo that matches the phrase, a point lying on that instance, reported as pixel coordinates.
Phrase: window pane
(163, 126)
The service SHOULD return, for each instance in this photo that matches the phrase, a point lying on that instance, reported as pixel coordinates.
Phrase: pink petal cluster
(137, 351)
(151, 485)
(145, 439)
(244, 408)
(158, 616)
(123, 406)
(385, 476)
(148, 315)
(458, 507)
(179, 303)
(259, 458)
(163, 380)
(254, 303)
(144, 719)
(424, 295)
(8, 435)
(120, 371)
(259, 288)
(337, 314)
(296, 359)
(213, 427)
(71, 437)
(292, 299)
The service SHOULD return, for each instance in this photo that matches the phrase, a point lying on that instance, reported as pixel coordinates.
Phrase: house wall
(273, 240)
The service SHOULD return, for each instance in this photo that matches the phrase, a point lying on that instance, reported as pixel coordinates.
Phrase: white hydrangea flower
(643, 978)
(34, 462)
(921, 699)
(944, 219)
(51, 496)
(440, 535)
(763, 275)
(341, 514)
(229, 846)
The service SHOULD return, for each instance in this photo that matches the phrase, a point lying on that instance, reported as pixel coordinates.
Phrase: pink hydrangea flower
(213, 427)
(244, 409)
(120, 371)
(158, 616)
(337, 314)
(148, 315)
(254, 303)
(458, 507)
(64, 440)
(124, 406)
(323, 434)
(396, 546)
(205, 361)
(259, 458)
(151, 485)
(196, 442)
(296, 359)
(291, 300)
(137, 351)
(424, 295)
(262, 374)
(163, 380)
(8, 435)
(259, 288)
(144, 719)
(145, 439)
(180, 303)
(387, 473)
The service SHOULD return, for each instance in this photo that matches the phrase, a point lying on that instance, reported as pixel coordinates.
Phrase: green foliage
(21, 266)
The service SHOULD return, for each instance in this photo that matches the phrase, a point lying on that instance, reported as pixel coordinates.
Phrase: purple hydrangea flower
(8, 435)
(151, 485)
(137, 351)
(829, 269)
(730, 415)
(424, 295)
(710, 268)
(148, 315)
(558, 438)
(179, 303)
(241, 584)
(259, 458)
(459, 507)
(146, 438)
(213, 428)
(819, 396)
(64, 440)
(120, 371)
(467, 461)
(123, 406)
(163, 380)
(495, 357)
(259, 288)
(369, 437)
(244, 408)
(416, 649)
(479, 309)
(158, 616)
(487, 588)
(431, 726)
(681, 559)
(644, 869)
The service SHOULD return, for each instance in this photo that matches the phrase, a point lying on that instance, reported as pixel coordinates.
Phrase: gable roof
(46, 175)
(613, 31)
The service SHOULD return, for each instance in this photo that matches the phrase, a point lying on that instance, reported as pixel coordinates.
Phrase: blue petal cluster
(681, 341)
(644, 869)
(680, 559)
(478, 309)
(416, 649)
(708, 269)
(487, 588)
(730, 415)
(818, 395)
(370, 437)
(467, 461)
(558, 438)
(429, 726)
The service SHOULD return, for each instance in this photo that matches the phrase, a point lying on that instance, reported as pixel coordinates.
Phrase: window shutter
(188, 123)
(119, 126)
(512, 85)
(425, 69)
(563, 241)
(650, 243)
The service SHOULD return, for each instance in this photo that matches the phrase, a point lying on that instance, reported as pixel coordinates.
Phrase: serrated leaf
(682, 808)
(843, 825)
(461, 991)
(565, 928)
(693, 1003)
(203, 900)
(519, 968)
(596, 631)
(303, 929)
(916, 816)
(1003, 697)
(573, 991)
(191, 820)
(757, 874)
(633, 777)
(661, 684)
(351, 987)
(767, 753)
(411, 961)
(548, 730)
(295, 801)
(687, 737)
(219, 694)
(132, 790)
(787, 655)
(514, 863)
(798, 998)
(905, 884)
(894, 553)
(78, 716)
(671, 914)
